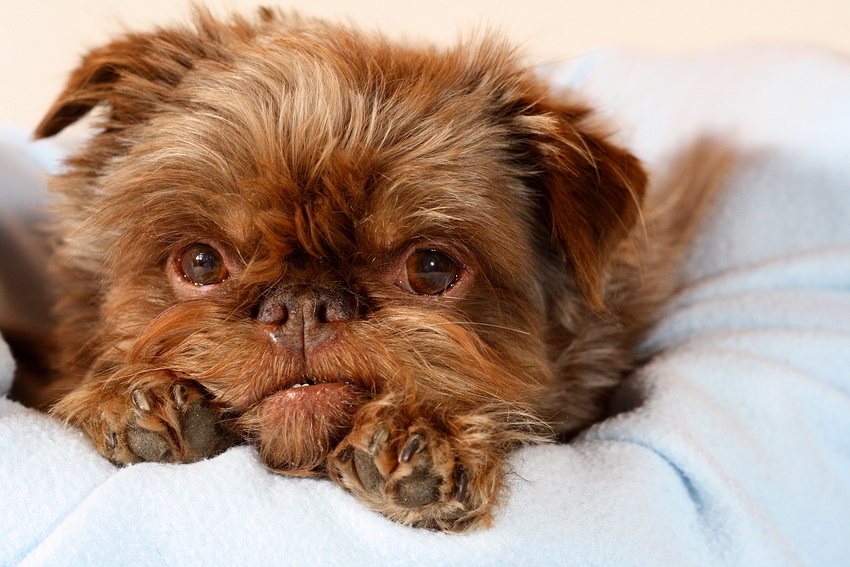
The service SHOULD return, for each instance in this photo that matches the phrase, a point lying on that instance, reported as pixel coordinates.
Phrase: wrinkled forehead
(321, 154)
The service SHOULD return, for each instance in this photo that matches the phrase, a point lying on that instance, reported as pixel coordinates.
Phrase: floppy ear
(135, 74)
(591, 190)
(131, 75)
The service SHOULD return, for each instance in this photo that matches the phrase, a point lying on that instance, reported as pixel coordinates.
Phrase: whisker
(475, 323)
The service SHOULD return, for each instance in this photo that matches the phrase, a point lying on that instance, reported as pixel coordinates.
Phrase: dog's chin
(299, 426)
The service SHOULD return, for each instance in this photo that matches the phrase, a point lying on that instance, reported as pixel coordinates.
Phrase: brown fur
(316, 160)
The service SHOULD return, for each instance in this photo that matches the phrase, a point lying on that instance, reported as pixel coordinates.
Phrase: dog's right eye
(201, 264)
(431, 272)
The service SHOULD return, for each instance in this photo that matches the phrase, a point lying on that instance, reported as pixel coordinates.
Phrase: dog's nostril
(334, 307)
(273, 312)
(322, 313)
(306, 307)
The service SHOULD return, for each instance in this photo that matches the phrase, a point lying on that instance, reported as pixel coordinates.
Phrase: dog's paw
(414, 474)
(173, 423)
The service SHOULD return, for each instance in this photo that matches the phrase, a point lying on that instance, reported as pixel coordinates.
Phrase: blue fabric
(731, 447)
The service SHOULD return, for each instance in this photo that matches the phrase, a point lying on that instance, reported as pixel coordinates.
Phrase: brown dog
(387, 265)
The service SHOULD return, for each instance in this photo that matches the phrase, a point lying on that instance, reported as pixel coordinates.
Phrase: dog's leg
(161, 419)
(428, 471)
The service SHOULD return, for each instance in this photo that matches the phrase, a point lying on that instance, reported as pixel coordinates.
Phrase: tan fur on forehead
(305, 105)
(295, 131)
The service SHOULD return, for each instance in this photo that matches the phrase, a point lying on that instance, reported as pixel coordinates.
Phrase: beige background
(41, 40)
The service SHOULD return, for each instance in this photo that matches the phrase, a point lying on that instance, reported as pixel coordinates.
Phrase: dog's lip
(323, 399)
(304, 382)
(311, 382)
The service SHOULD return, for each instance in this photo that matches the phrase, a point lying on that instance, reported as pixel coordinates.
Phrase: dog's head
(300, 218)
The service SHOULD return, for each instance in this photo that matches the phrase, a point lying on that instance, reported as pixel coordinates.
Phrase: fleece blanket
(730, 447)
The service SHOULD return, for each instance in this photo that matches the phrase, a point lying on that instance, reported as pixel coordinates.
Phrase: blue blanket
(731, 447)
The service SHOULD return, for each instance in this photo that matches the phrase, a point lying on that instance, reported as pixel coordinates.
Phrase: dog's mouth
(308, 382)
(331, 401)
(309, 386)
(323, 397)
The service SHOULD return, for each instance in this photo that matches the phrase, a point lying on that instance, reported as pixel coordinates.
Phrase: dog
(392, 266)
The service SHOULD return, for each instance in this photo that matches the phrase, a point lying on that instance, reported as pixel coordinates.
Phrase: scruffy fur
(317, 161)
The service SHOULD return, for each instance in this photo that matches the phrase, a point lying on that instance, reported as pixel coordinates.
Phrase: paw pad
(175, 424)
(411, 475)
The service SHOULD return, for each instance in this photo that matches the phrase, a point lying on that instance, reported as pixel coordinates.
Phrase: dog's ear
(591, 190)
(131, 75)
(137, 72)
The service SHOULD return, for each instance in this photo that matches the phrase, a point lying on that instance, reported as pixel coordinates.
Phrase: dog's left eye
(431, 272)
(201, 264)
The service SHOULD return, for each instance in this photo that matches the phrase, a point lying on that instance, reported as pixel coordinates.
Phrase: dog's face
(300, 220)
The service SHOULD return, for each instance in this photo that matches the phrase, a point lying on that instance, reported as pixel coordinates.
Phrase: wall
(41, 40)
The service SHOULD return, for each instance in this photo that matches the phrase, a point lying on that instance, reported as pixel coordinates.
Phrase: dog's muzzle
(303, 317)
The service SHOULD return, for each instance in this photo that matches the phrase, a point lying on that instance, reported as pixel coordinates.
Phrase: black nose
(303, 317)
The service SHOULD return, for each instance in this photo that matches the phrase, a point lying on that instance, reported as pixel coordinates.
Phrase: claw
(462, 483)
(378, 439)
(140, 400)
(345, 455)
(111, 441)
(411, 447)
(179, 394)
